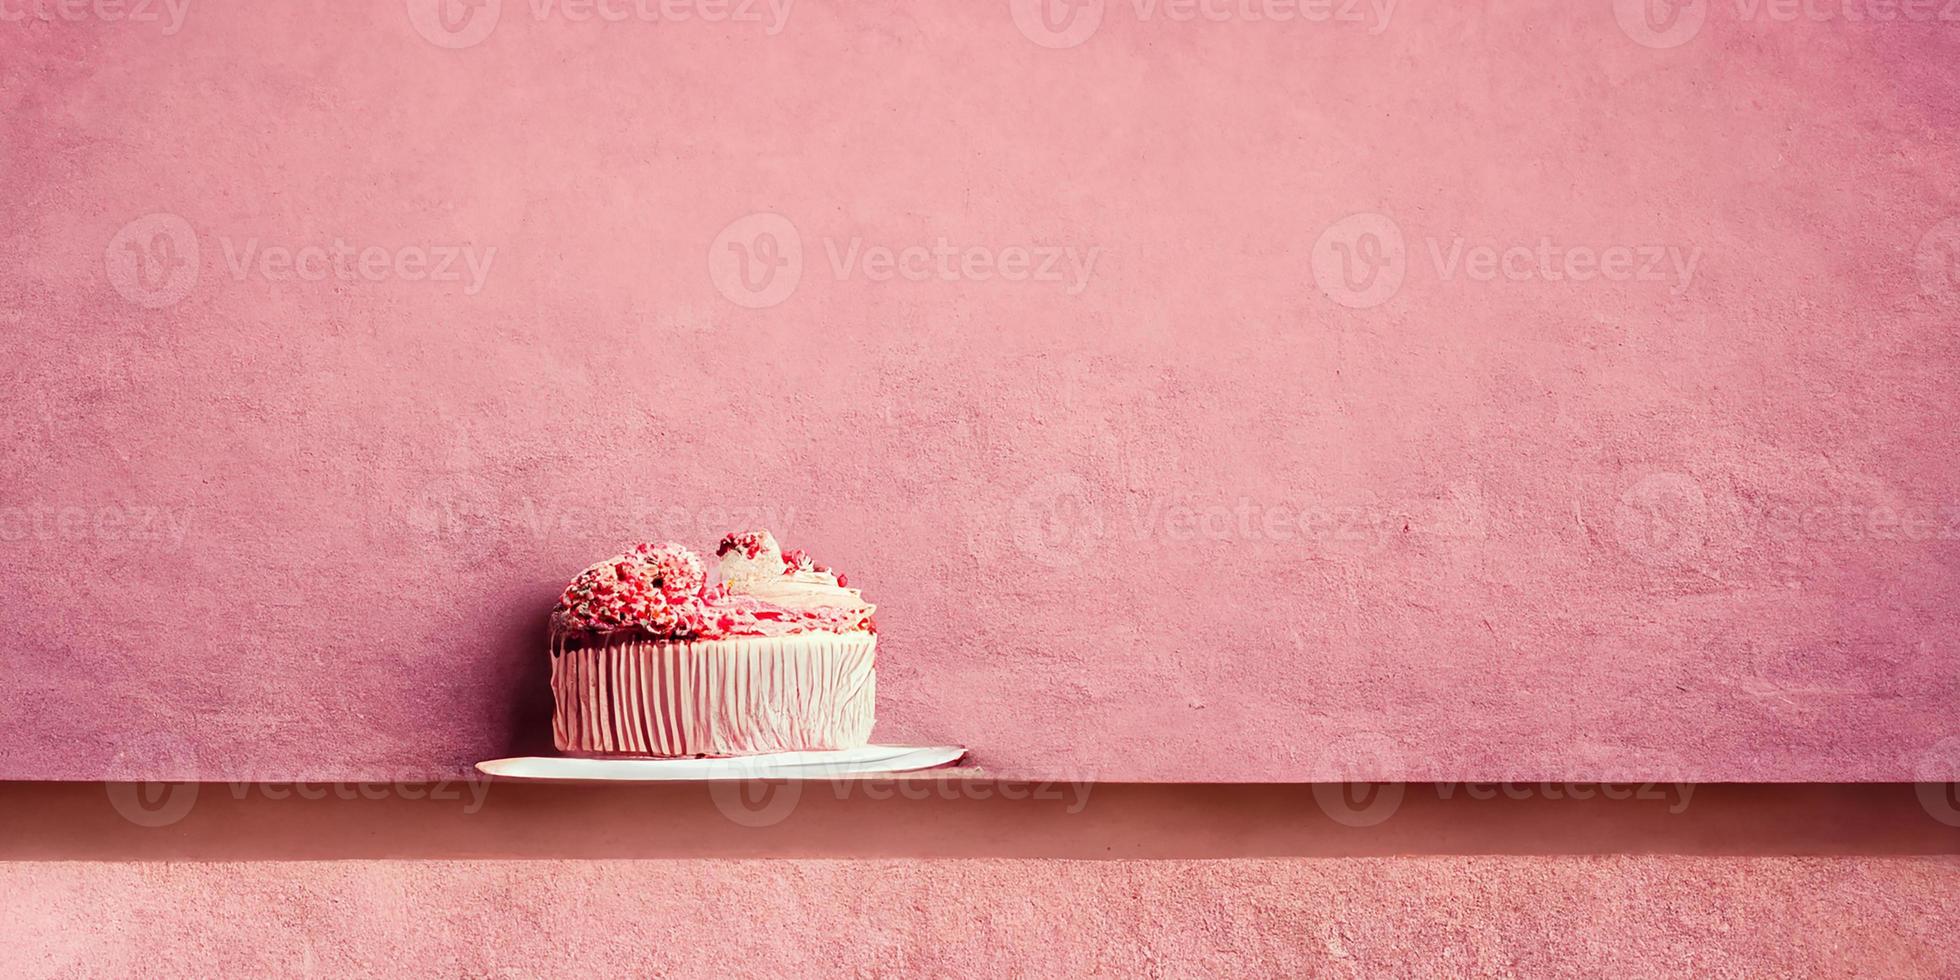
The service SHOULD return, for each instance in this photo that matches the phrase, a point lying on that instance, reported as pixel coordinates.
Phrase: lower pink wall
(1239, 478)
(1626, 916)
(954, 876)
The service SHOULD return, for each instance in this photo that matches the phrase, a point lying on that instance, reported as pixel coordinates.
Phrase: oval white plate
(867, 760)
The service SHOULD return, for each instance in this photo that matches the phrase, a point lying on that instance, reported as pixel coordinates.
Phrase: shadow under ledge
(951, 816)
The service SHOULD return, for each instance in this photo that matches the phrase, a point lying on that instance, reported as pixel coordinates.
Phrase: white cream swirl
(767, 577)
(804, 590)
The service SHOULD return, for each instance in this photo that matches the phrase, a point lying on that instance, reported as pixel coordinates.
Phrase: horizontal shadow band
(962, 817)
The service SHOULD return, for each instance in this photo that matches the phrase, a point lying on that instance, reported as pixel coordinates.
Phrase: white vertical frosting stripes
(631, 695)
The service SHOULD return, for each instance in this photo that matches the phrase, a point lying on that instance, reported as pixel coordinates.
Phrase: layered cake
(653, 656)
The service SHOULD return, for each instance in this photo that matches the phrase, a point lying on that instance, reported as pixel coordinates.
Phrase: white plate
(867, 760)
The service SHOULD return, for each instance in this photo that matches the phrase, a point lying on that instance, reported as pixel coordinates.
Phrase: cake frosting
(758, 590)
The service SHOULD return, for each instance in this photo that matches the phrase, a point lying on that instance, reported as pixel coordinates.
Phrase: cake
(651, 656)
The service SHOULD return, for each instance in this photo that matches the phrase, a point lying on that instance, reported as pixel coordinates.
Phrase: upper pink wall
(1264, 478)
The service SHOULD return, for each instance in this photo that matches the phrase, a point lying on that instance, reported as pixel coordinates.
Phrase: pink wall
(1632, 916)
(1117, 880)
(1214, 507)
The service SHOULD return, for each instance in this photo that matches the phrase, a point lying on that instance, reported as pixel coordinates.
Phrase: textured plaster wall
(1625, 916)
(1238, 487)
(541, 881)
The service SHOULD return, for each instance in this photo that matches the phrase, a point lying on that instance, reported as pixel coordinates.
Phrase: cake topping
(750, 544)
(647, 586)
(661, 590)
(755, 555)
(749, 555)
(676, 570)
(800, 561)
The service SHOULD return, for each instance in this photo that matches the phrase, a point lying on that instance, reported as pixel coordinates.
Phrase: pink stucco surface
(1104, 880)
(1241, 491)
(1629, 916)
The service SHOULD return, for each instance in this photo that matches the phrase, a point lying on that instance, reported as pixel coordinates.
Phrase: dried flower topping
(648, 586)
(748, 543)
(676, 570)
(798, 560)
